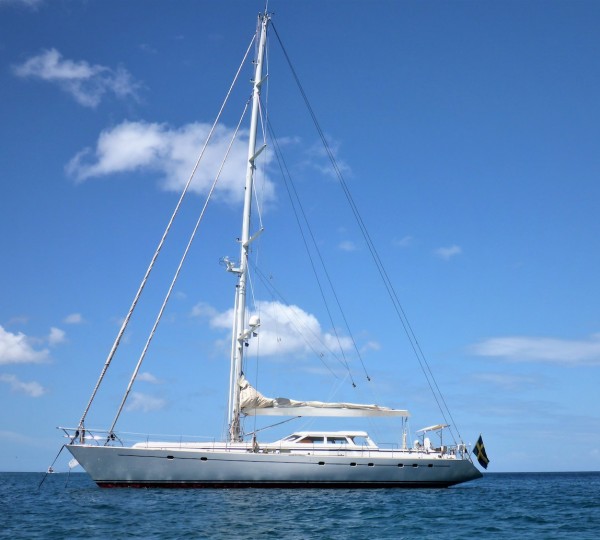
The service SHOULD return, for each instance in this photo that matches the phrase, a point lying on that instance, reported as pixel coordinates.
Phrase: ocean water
(515, 506)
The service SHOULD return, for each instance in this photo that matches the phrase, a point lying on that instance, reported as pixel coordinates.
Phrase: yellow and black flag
(480, 454)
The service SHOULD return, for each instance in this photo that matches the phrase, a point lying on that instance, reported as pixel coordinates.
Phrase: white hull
(227, 467)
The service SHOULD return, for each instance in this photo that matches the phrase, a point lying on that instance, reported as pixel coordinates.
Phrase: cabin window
(312, 440)
(203, 458)
(337, 440)
(170, 457)
(321, 463)
(400, 465)
(353, 464)
(430, 465)
(415, 465)
(360, 440)
(370, 464)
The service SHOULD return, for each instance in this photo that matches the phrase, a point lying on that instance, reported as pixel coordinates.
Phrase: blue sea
(515, 506)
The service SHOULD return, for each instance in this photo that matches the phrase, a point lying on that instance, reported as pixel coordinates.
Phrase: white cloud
(541, 349)
(18, 349)
(32, 389)
(202, 309)
(74, 318)
(220, 320)
(147, 48)
(347, 245)
(172, 152)
(370, 346)
(147, 377)
(87, 83)
(19, 319)
(56, 336)
(318, 158)
(145, 403)
(26, 3)
(447, 253)
(504, 380)
(404, 242)
(286, 330)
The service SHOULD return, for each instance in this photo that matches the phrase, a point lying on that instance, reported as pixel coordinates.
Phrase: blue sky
(468, 134)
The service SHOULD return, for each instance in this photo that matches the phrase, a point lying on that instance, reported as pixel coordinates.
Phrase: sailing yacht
(303, 459)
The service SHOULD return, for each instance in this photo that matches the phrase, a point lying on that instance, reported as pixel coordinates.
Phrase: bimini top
(437, 427)
(253, 403)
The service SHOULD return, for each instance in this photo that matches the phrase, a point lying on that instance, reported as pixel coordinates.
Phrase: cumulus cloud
(404, 242)
(19, 349)
(171, 152)
(286, 330)
(56, 336)
(347, 245)
(202, 309)
(86, 83)
(147, 377)
(541, 349)
(73, 318)
(26, 3)
(32, 389)
(145, 403)
(447, 253)
(504, 380)
(19, 319)
(370, 346)
(318, 159)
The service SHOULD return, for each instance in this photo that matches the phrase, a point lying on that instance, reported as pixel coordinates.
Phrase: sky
(467, 132)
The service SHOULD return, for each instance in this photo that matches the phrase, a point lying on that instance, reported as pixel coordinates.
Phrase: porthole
(321, 463)
(415, 465)
(203, 458)
(400, 465)
(352, 464)
(371, 464)
(170, 457)
(430, 465)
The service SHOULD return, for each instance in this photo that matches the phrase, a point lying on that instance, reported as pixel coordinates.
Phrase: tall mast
(240, 334)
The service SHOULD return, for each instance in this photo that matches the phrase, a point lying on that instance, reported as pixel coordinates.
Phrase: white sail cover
(253, 403)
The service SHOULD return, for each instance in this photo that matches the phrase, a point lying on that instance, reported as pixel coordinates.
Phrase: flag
(480, 454)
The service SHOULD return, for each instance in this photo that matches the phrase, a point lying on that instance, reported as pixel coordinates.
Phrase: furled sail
(253, 403)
